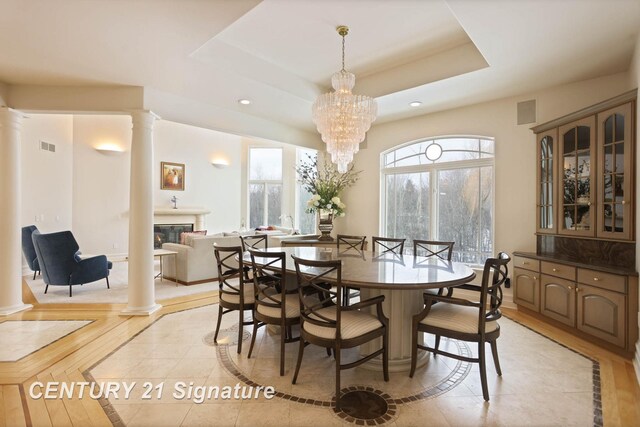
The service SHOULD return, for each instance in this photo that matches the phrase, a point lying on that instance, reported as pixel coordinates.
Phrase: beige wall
(515, 154)
(47, 177)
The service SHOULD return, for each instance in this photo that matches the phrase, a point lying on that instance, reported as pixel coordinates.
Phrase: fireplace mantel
(193, 216)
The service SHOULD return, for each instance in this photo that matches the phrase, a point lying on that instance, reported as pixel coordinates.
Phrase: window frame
(265, 183)
(433, 170)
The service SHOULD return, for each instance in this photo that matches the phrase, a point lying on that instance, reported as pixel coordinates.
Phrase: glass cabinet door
(615, 201)
(546, 179)
(576, 215)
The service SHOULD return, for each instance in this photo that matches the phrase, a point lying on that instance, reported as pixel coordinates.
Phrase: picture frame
(172, 176)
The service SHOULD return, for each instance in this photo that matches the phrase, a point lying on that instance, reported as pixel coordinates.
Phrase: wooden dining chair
(434, 249)
(387, 244)
(275, 304)
(334, 326)
(466, 320)
(235, 289)
(254, 241)
(351, 242)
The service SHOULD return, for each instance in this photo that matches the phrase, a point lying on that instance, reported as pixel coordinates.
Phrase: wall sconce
(109, 149)
(220, 163)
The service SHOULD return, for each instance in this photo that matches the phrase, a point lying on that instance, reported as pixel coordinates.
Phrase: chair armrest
(90, 269)
(429, 299)
(366, 303)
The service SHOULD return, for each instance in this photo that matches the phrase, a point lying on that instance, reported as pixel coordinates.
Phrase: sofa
(195, 261)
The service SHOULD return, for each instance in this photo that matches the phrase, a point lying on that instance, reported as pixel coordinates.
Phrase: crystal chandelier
(343, 118)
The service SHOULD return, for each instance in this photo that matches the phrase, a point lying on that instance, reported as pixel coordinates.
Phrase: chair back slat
(269, 278)
(254, 241)
(312, 275)
(433, 248)
(494, 275)
(351, 242)
(387, 244)
(230, 267)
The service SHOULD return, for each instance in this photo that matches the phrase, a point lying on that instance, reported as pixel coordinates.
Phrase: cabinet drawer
(608, 281)
(558, 270)
(527, 263)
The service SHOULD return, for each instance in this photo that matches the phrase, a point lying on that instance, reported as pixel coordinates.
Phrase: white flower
(336, 200)
(342, 214)
(316, 203)
(329, 205)
(310, 202)
(342, 205)
(315, 197)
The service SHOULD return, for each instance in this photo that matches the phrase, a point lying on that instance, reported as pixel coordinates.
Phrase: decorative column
(10, 195)
(141, 299)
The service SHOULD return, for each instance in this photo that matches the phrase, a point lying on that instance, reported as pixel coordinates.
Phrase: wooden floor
(66, 359)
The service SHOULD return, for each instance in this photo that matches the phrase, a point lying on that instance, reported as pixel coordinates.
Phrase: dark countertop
(568, 261)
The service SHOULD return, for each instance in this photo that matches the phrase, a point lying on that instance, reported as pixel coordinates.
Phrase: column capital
(143, 117)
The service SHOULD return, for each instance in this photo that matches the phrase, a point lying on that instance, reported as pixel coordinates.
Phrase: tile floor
(543, 383)
(20, 338)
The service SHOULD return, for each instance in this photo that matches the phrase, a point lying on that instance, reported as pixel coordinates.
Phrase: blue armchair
(60, 265)
(28, 250)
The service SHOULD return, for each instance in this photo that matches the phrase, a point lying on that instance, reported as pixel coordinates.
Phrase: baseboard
(195, 282)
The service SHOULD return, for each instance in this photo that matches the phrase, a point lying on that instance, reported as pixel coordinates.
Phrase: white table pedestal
(399, 306)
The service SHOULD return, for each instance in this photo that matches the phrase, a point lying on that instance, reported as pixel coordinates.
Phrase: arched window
(441, 189)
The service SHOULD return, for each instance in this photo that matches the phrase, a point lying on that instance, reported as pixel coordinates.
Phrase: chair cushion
(249, 295)
(292, 307)
(354, 323)
(457, 318)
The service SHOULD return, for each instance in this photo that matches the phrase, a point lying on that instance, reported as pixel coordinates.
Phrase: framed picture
(172, 176)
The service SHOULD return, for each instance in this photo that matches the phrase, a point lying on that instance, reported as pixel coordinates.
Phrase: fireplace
(169, 233)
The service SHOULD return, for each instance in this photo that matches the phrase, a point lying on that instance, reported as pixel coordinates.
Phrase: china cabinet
(583, 275)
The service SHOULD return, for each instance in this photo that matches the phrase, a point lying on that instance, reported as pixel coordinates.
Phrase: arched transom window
(441, 189)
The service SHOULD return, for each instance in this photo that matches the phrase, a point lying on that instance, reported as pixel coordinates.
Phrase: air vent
(527, 112)
(45, 146)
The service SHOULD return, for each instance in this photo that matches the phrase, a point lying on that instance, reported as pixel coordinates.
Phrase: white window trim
(433, 169)
(265, 183)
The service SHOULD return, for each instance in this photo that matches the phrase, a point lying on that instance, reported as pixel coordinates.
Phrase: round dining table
(402, 279)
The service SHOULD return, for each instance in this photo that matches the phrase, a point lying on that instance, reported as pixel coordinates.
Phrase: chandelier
(341, 117)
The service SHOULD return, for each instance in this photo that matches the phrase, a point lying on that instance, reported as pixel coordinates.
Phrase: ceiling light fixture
(341, 117)
(415, 104)
(244, 101)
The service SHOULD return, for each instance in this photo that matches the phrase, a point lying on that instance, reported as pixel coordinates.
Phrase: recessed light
(244, 101)
(415, 104)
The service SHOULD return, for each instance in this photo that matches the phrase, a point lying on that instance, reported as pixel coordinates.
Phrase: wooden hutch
(583, 276)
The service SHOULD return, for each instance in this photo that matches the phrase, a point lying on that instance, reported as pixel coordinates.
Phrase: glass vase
(325, 224)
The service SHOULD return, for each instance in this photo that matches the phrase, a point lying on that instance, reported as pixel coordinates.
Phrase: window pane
(407, 210)
(256, 205)
(274, 204)
(459, 212)
(305, 222)
(265, 164)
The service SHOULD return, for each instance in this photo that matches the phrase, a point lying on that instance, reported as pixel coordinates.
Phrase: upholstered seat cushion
(354, 323)
(457, 318)
(292, 306)
(249, 295)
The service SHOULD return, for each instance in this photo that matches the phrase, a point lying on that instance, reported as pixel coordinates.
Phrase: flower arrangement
(325, 183)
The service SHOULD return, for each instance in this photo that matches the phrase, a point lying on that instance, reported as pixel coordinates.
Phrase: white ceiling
(205, 55)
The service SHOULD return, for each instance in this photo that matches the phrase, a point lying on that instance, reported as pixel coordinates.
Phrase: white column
(141, 299)
(10, 196)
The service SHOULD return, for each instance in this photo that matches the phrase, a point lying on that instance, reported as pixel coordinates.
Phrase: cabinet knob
(525, 262)
(554, 269)
(589, 204)
(535, 278)
(570, 288)
(578, 290)
(624, 202)
(596, 279)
